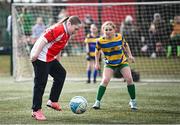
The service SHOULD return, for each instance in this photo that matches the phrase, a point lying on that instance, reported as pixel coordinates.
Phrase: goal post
(155, 56)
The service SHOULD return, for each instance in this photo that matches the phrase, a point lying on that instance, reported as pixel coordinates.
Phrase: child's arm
(128, 52)
(97, 57)
(39, 44)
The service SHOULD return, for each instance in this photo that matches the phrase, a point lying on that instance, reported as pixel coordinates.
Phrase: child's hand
(131, 59)
(33, 58)
(97, 66)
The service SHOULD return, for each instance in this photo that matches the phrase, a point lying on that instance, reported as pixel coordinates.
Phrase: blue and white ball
(78, 104)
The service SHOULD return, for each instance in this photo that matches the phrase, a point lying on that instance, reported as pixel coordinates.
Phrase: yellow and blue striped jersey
(91, 41)
(112, 49)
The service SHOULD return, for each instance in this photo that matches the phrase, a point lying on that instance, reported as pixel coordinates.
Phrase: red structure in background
(96, 1)
(108, 13)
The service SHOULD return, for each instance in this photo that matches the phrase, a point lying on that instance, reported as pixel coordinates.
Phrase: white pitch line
(74, 91)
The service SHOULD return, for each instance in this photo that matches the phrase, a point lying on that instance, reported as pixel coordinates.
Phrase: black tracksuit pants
(41, 70)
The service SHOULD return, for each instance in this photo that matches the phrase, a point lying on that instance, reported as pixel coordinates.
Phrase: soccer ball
(78, 104)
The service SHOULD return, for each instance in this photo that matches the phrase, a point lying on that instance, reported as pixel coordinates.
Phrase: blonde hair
(108, 23)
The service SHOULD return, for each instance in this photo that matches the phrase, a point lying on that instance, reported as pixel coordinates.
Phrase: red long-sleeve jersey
(56, 38)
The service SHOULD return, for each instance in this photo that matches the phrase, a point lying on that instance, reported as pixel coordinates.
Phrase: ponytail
(64, 20)
(73, 19)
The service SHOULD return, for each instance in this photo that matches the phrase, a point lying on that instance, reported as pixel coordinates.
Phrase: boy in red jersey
(44, 56)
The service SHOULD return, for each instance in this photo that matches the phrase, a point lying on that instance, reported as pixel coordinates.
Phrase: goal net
(146, 26)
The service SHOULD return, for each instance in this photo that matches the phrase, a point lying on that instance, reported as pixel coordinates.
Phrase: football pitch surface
(158, 103)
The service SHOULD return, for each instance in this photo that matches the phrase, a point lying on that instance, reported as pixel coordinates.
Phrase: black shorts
(89, 58)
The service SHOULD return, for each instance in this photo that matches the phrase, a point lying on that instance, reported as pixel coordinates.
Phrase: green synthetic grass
(158, 103)
(149, 68)
(159, 68)
(4, 65)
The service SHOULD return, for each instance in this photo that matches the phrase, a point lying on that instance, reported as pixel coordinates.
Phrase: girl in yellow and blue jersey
(115, 49)
(90, 50)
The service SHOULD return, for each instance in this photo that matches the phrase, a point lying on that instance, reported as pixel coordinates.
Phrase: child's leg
(40, 80)
(89, 74)
(89, 71)
(178, 50)
(95, 75)
(58, 73)
(126, 72)
(95, 71)
(169, 51)
(107, 74)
